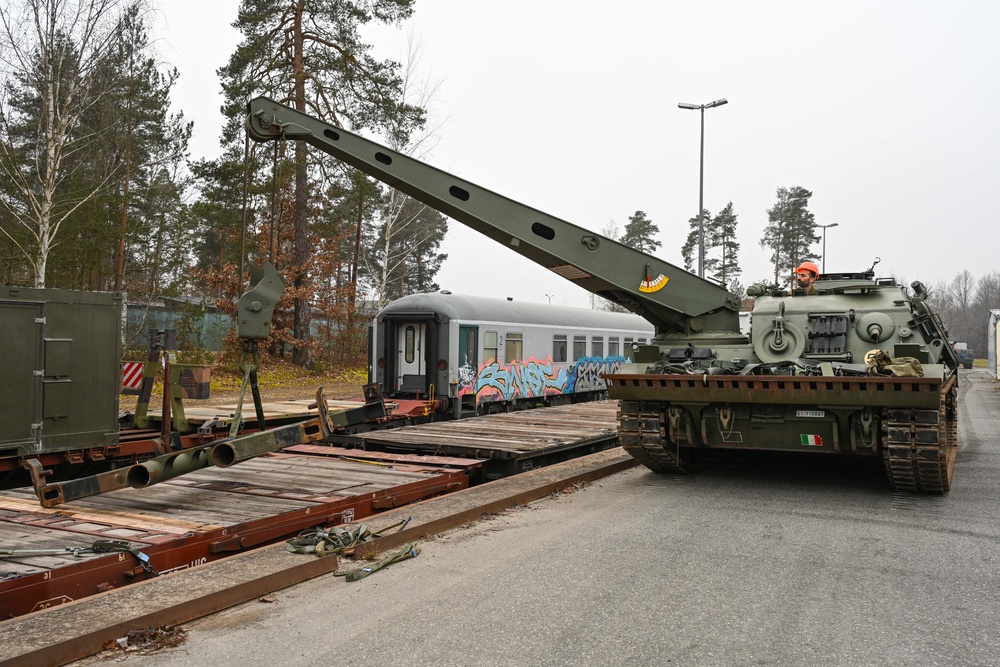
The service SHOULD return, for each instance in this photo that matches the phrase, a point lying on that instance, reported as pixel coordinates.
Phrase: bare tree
(610, 231)
(963, 289)
(50, 51)
(400, 234)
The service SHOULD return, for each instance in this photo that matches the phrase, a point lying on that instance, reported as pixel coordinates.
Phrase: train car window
(613, 346)
(490, 347)
(579, 347)
(627, 347)
(642, 340)
(558, 348)
(470, 345)
(597, 346)
(513, 348)
(409, 345)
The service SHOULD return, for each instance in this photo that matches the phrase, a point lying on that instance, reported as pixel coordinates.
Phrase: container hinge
(40, 320)
(38, 374)
(36, 430)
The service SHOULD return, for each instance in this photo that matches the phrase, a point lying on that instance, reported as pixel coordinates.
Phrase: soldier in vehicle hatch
(805, 276)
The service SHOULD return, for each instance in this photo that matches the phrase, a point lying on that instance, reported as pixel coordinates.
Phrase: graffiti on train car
(586, 373)
(520, 379)
(532, 378)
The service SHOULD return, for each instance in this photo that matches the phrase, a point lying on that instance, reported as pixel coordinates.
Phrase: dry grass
(279, 380)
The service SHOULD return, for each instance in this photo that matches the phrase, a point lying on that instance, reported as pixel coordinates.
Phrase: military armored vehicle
(861, 368)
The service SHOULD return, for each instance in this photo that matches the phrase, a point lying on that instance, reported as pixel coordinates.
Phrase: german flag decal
(656, 285)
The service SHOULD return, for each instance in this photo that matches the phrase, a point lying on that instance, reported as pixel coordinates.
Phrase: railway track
(93, 545)
(63, 633)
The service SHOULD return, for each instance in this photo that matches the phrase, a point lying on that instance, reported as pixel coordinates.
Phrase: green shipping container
(60, 370)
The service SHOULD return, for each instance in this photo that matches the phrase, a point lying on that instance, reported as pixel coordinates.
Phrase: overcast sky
(887, 111)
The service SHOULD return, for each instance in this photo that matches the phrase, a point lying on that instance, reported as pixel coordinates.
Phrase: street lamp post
(824, 228)
(701, 180)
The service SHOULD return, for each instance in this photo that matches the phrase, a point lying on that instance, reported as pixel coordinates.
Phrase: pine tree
(639, 233)
(142, 210)
(721, 247)
(690, 248)
(312, 57)
(791, 231)
(726, 267)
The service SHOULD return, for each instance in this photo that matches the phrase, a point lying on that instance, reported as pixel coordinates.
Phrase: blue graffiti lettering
(522, 379)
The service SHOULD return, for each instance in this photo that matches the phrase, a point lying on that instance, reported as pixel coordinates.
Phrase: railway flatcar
(468, 355)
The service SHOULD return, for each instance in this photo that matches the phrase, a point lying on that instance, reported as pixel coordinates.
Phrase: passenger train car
(469, 355)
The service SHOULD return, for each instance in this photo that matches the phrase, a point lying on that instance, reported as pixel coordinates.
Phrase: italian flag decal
(813, 440)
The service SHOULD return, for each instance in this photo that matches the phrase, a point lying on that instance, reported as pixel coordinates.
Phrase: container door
(19, 359)
(411, 365)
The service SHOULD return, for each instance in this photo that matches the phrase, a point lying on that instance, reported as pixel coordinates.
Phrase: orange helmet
(808, 266)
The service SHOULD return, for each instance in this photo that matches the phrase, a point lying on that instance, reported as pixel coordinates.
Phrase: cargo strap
(121, 546)
(337, 539)
(27, 553)
(783, 367)
(98, 547)
(406, 551)
(326, 541)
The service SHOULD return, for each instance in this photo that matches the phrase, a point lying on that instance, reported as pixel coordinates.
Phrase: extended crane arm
(672, 299)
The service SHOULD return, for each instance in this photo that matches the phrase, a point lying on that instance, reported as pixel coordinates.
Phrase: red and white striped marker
(131, 375)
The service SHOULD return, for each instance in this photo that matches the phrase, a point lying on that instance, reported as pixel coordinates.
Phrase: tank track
(642, 432)
(919, 446)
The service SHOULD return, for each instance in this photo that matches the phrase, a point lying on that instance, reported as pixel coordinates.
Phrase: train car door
(411, 367)
(468, 367)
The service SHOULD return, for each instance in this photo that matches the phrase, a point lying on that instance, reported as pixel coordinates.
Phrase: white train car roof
(489, 309)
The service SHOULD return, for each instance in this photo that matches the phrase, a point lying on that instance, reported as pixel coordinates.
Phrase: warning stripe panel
(131, 374)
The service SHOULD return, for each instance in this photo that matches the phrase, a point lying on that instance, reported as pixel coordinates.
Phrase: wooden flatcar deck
(197, 518)
(215, 512)
(512, 442)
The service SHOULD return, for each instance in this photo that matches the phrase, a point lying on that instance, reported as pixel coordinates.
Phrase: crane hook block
(256, 306)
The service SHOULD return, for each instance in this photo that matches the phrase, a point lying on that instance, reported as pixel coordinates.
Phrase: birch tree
(408, 232)
(50, 51)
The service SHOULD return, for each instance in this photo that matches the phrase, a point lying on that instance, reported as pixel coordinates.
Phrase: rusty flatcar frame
(169, 552)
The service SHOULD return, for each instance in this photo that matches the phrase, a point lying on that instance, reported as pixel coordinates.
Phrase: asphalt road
(755, 561)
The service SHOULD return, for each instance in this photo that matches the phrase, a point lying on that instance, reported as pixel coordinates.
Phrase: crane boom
(672, 299)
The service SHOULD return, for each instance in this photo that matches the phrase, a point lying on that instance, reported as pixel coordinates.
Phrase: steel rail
(93, 622)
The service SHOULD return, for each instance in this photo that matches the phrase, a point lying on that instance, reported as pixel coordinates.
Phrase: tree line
(789, 234)
(964, 305)
(99, 192)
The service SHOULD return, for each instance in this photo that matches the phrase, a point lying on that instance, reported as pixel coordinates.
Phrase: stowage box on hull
(60, 353)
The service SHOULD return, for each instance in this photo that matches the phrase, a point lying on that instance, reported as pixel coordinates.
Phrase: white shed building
(991, 346)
